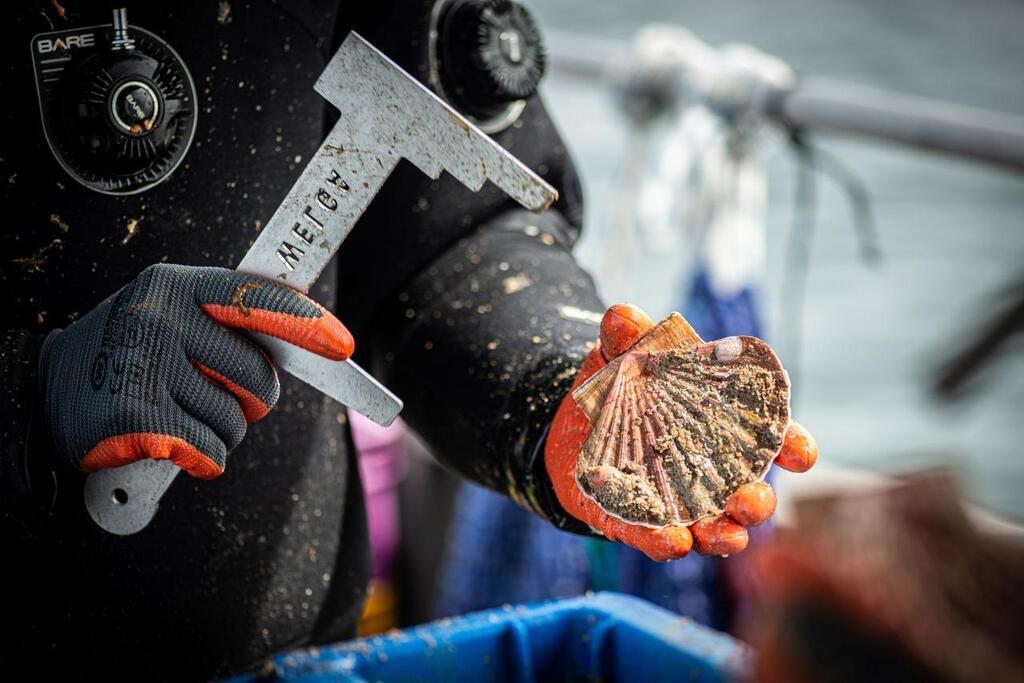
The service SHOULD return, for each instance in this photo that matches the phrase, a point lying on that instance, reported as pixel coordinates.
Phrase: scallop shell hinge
(680, 424)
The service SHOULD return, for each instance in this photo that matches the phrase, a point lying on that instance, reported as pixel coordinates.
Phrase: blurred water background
(952, 233)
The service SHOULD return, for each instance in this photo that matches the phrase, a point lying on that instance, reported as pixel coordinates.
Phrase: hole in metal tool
(120, 497)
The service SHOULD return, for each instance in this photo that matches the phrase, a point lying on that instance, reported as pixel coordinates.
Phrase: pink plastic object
(382, 464)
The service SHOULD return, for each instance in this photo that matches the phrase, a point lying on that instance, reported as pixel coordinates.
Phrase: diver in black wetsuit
(274, 554)
(470, 309)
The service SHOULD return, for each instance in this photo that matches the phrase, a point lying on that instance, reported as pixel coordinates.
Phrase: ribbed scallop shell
(680, 424)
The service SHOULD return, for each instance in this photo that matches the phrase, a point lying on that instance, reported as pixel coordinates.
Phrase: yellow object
(380, 613)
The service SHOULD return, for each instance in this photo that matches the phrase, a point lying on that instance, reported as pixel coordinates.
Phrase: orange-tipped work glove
(158, 370)
(622, 326)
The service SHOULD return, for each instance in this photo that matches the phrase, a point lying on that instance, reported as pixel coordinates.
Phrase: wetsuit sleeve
(490, 337)
(23, 482)
(470, 309)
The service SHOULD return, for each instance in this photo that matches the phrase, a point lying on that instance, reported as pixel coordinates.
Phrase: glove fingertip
(675, 543)
(200, 468)
(253, 407)
(621, 327)
(113, 451)
(122, 449)
(752, 504)
(194, 461)
(718, 536)
(330, 338)
(320, 332)
(799, 450)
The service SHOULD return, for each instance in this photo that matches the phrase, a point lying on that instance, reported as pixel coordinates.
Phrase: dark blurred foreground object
(894, 584)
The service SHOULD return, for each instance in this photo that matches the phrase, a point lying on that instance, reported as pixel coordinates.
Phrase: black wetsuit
(471, 310)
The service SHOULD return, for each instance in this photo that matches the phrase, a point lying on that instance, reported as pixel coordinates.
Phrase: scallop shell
(680, 424)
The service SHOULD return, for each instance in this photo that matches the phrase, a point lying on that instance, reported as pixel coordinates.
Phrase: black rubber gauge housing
(490, 55)
(119, 114)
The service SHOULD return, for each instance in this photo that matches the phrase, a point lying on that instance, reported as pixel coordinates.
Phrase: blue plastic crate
(606, 637)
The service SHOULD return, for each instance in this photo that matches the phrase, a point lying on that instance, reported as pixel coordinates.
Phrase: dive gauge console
(118, 104)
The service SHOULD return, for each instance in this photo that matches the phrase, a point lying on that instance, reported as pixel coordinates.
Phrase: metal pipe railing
(812, 104)
(917, 122)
